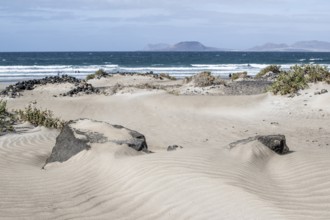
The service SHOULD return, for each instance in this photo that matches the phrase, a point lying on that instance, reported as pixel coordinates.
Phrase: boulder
(323, 91)
(173, 147)
(276, 143)
(84, 134)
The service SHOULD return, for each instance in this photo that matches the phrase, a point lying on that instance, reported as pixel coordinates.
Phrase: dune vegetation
(298, 77)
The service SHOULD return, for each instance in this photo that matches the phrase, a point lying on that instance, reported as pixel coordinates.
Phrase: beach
(206, 177)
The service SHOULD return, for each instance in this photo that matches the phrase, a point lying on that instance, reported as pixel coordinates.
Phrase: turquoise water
(22, 66)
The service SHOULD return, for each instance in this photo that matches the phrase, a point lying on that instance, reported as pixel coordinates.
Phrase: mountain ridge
(181, 46)
(191, 46)
(299, 46)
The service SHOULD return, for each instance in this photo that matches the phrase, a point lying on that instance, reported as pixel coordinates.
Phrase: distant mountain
(160, 46)
(301, 46)
(270, 47)
(182, 46)
(308, 46)
(312, 45)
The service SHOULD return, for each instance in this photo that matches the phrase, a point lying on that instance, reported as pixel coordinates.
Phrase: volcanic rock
(84, 134)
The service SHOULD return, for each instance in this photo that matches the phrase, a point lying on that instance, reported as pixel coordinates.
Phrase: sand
(203, 180)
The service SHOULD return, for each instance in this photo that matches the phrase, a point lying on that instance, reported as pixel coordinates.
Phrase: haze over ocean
(22, 66)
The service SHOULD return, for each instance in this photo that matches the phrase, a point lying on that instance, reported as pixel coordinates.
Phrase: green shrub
(201, 79)
(90, 76)
(3, 105)
(39, 117)
(298, 78)
(270, 68)
(239, 75)
(98, 74)
(289, 83)
(6, 119)
(313, 73)
(167, 76)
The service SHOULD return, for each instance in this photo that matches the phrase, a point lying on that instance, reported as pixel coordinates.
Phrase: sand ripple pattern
(198, 183)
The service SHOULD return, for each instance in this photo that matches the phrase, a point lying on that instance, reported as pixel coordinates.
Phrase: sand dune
(207, 179)
(248, 181)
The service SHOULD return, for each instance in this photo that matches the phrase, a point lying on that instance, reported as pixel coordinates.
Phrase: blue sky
(116, 25)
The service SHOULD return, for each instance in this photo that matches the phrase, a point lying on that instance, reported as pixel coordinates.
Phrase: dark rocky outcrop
(323, 91)
(14, 90)
(82, 134)
(276, 143)
(160, 76)
(83, 88)
(173, 147)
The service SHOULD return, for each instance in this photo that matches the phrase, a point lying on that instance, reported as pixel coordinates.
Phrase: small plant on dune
(313, 73)
(270, 68)
(219, 81)
(239, 75)
(90, 76)
(39, 117)
(6, 119)
(298, 77)
(98, 74)
(203, 79)
(289, 83)
(327, 80)
(167, 76)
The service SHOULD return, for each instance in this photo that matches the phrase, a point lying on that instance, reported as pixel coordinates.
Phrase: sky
(129, 25)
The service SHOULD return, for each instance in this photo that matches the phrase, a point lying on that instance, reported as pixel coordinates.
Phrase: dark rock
(138, 142)
(323, 91)
(83, 88)
(67, 145)
(276, 143)
(173, 147)
(13, 90)
(79, 135)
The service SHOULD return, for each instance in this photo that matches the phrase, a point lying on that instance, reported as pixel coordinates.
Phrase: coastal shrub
(313, 73)
(90, 76)
(289, 83)
(270, 68)
(239, 75)
(117, 87)
(39, 117)
(167, 76)
(219, 81)
(298, 77)
(203, 79)
(98, 74)
(7, 119)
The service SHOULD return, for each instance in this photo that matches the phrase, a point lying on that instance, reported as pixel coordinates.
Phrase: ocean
(16, 66)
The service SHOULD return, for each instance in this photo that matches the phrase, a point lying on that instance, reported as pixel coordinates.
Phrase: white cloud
(155, 20)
